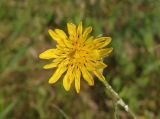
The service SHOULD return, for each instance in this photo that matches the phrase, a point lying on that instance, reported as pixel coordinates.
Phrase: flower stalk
(118, 99)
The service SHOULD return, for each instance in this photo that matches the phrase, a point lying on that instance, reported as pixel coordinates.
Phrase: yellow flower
(76, 54)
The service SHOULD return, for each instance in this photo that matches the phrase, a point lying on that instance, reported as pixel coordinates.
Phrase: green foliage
(133, 68)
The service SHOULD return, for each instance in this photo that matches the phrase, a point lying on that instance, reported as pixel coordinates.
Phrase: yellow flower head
(76, 54)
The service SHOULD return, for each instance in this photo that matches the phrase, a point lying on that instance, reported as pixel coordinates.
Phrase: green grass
(133, 68)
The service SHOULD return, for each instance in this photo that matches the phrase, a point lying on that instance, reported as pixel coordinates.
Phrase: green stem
(61, 111)
(116, 110)
(118, 99)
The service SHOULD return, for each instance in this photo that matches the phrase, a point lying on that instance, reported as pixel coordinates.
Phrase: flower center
(77, 54)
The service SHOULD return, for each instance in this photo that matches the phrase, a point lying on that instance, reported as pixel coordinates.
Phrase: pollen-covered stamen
(78, 54)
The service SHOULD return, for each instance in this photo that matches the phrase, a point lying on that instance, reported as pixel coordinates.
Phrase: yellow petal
(68, 79)
(58, 60)
(90, 66)
(77, 74)
(58, 73)
(87, 76)
(64, 63)
(94, 54)
(64, 37)
(71, 29)
(61, 34)
(55, 37)
(100, 65)
(67, 43)
(99, 75)
(89, 42)
(79, 29)
(105, 52)
(101, 42)
(51, 65)
(87, 31)
(48, 54)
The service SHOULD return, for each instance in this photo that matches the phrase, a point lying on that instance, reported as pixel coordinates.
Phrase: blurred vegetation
(134, 65)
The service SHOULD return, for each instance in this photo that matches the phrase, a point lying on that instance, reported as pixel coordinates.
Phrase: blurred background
(134, 65)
